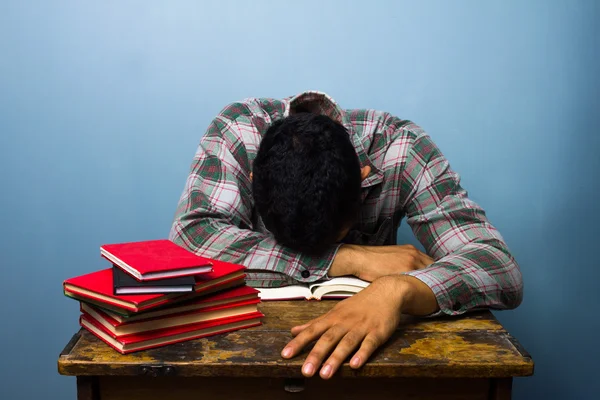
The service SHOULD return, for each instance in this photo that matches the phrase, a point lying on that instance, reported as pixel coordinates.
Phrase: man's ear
(364, 172)
(251, 176)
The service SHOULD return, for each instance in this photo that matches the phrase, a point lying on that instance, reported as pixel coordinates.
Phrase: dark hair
(306, 181)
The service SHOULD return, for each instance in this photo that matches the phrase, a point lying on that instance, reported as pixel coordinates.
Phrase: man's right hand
(371, 262)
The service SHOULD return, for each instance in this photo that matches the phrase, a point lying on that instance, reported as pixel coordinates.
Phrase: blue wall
(102, 105)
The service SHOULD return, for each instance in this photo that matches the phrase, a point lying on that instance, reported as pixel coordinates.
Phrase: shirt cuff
(314, 268)
(266, 279)
(431, 277)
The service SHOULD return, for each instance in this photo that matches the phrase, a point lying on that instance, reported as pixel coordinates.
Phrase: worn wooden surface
(472, 346)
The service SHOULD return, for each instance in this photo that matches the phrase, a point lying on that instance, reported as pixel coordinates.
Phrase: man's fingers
(341, 352)
(419, 259)
(322, 348)
(308, 334)
(368, 346)
(297, 329)
(426, 260)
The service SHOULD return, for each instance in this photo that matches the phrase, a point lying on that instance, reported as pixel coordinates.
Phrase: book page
(338, 287)
(285, 293)
(342, 280)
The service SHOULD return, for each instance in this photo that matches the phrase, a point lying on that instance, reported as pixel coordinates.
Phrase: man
(301, 190)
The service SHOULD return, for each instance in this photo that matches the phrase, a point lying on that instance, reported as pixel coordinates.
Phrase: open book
(332, 289)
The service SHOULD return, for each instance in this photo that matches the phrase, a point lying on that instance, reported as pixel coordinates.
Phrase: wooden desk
(471, 357)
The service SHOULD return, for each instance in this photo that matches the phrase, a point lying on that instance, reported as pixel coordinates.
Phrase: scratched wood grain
(283, 315)
(471, 346)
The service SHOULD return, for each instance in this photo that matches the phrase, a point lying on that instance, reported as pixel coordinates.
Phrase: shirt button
(305, 274)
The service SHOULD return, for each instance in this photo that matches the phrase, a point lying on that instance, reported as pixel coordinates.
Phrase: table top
(470, 346)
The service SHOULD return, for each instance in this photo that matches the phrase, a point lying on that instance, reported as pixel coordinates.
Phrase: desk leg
(501, 389)
(87, 388)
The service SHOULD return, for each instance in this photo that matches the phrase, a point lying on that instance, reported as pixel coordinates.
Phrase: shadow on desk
(468, 357)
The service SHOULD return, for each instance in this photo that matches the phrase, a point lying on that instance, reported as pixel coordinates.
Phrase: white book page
(285, 292)
(338, 287)
(342, 280)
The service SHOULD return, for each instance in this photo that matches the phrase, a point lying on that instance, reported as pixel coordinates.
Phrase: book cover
(224, 297)
(124, 283)
(140, 342)
(155, 259)
(173, 301)
(157, 324)
(98, 287)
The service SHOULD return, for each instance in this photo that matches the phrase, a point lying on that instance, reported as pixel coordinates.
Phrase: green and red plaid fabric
(410, 178)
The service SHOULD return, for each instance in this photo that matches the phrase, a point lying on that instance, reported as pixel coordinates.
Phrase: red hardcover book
(155, 259)
(215, 313)
(97, 287)
(155, 339)
(223, 298)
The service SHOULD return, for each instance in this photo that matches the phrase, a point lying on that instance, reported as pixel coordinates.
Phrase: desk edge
(67, 350)
(513, 340)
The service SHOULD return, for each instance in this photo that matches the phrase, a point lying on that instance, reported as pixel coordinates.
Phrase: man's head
(306, 182)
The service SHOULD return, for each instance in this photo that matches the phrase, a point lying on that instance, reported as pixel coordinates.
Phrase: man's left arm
(473, 268)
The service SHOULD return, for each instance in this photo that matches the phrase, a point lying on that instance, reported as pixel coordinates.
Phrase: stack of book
(157, 293)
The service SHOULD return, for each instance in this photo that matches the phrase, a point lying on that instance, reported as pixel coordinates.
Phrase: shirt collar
(321, 103)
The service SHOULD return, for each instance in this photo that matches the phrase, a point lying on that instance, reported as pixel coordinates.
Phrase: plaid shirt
(410, 178)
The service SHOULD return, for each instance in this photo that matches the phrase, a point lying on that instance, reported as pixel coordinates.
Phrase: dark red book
(144, 341)
(97, 288)
(215, 313)
(227, 297)
(155, 259)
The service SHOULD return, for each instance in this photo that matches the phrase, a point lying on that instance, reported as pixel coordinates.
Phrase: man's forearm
(346, 261)
(371, 262)
(485, 276)
(415, 297)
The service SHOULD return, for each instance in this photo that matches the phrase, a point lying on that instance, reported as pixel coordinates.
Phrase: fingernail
(326, 371)
(286, 352)
(355, 362)
(308, 369)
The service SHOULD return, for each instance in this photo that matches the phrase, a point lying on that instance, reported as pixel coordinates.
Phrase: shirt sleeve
(214, 217)
(473, 268)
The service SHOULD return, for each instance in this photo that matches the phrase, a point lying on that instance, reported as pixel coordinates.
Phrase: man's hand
(371, 262)
(364, 321)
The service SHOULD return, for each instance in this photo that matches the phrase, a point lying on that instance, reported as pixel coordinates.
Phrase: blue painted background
(102, 105)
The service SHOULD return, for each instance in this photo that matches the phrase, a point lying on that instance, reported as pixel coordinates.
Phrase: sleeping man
(300, 190)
